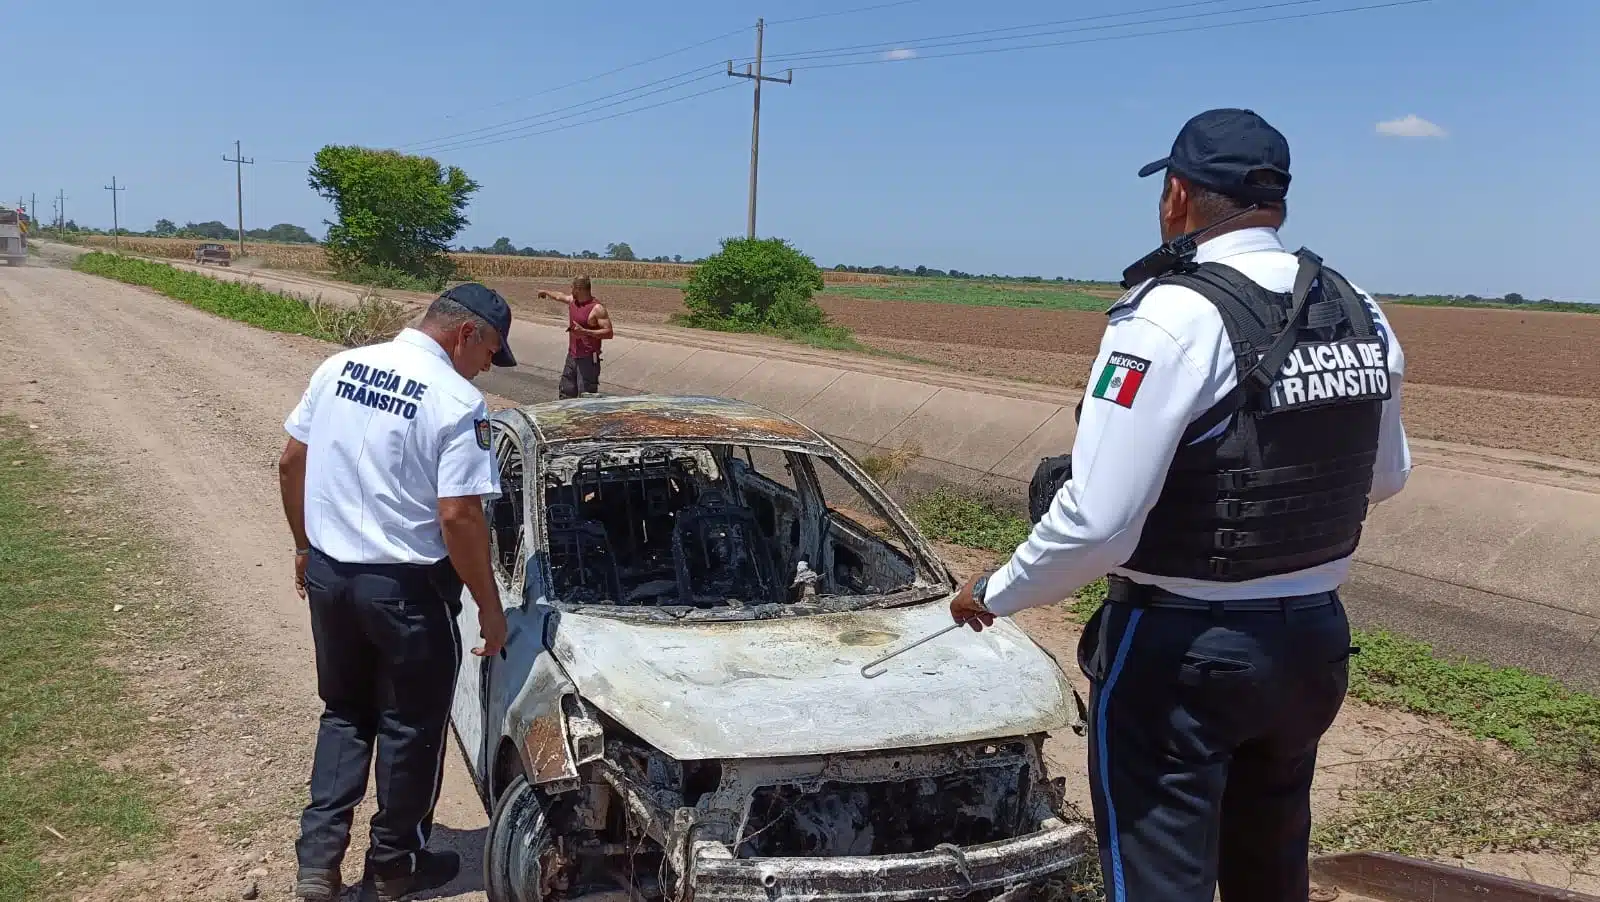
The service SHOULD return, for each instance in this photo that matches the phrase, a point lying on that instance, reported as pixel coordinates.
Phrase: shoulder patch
(1129, 298)
(481, 427)
(1120, 379)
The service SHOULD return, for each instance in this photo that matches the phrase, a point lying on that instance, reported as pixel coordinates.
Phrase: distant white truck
(13, 237)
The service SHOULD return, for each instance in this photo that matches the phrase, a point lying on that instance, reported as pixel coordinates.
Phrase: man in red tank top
(588, 324)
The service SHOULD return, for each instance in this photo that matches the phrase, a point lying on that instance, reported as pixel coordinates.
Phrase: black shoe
(317, 884)
(433, 870)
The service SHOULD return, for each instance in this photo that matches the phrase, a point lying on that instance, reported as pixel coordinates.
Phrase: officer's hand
(300, 574)
(492, 626)
(964, 610)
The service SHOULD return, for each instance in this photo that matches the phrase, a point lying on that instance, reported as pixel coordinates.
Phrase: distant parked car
(213, 253)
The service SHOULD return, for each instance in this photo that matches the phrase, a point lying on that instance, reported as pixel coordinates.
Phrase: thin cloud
(904, 53)
(1412, 126)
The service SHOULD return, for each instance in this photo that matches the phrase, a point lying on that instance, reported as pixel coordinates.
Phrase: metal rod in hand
(895, 654)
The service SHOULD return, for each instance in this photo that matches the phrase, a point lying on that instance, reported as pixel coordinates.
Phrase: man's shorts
(581, 376)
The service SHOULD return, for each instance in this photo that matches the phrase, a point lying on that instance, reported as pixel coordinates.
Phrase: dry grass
(886, 467)
(1453, 796)
(310, 258)
(373, 319)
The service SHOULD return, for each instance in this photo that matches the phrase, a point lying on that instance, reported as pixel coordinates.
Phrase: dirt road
(194, 406)
(186, 410)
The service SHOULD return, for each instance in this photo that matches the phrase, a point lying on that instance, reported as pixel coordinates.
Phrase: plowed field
(1526, 380)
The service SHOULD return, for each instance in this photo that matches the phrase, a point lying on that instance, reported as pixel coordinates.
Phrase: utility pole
(61, 209)
(116, 229)
(755, 117)
(239, 162)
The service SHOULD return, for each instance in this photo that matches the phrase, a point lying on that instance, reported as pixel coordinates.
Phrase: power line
(755, 76)
(442, 145)
(879, 45)
(562, 128)
(931, 43)
(1123, 37)
(116, 226)
(528, 121)
(670, 53)
(239, 162)
(587, 79)
(842, 12)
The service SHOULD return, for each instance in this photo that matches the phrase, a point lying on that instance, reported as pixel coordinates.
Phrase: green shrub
(755, 285)
(379, 275)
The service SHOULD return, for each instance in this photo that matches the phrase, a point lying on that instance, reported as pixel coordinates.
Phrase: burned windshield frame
(700, 531)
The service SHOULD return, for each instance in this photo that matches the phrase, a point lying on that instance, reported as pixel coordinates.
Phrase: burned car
(692, 587)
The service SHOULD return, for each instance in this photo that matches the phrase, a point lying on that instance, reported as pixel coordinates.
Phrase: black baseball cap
(1220, 149)
(487, 303)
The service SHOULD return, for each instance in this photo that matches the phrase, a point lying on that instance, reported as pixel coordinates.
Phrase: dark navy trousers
(388, 650)
(1203, 732)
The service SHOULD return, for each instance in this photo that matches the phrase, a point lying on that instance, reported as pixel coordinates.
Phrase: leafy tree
(213, 230)
(620, 251)
(502, 245)
(283, 232)
(396, 211)
(753, 284)
(1514, 298)
(164, 228)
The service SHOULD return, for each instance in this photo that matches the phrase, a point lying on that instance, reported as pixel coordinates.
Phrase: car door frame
(476, 732)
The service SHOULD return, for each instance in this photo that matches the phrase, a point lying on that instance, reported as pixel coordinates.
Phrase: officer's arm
(1126, 439)
(292, 486)
(1393, 465)
(467, 472)
(292, 462)
(466, 538)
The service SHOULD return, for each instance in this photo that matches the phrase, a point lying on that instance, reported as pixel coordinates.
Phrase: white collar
(1244, 241)
(419, 339)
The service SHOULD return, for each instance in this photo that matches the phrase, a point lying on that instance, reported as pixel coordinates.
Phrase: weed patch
(372, 319)
(377, 276)
(950, 516)
(63, 816)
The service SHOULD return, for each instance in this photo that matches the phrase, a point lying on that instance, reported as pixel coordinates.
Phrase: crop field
(1462, 363)
(973, 293)
(473, 266)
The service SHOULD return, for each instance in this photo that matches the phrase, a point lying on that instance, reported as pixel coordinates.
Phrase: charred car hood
(792, 686)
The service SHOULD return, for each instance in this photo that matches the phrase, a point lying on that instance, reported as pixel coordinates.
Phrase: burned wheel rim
(519, 861)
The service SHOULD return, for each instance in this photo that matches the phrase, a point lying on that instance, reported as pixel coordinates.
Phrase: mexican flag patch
(1120, 380)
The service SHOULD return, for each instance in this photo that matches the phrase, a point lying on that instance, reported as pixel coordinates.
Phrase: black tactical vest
(1284, 486)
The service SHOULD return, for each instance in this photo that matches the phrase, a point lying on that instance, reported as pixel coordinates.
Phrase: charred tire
(519, 849)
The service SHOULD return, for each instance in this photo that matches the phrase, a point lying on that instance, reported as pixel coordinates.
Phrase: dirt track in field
(1524, 380)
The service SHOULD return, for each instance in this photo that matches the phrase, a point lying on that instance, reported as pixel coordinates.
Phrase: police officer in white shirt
(383, 477)
(1242, 414)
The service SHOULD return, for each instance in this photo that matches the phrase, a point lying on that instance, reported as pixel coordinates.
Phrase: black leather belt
(1121, 590)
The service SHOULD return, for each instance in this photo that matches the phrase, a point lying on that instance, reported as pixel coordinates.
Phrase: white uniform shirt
(1121, 454)
(391, 429)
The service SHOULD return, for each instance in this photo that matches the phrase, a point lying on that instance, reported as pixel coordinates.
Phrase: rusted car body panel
(732, 737)
(646, 419)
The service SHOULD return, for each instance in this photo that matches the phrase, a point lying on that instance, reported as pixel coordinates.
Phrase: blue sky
(1018, 162)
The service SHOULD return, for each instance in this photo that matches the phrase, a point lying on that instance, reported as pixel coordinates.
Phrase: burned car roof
(665, 417)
